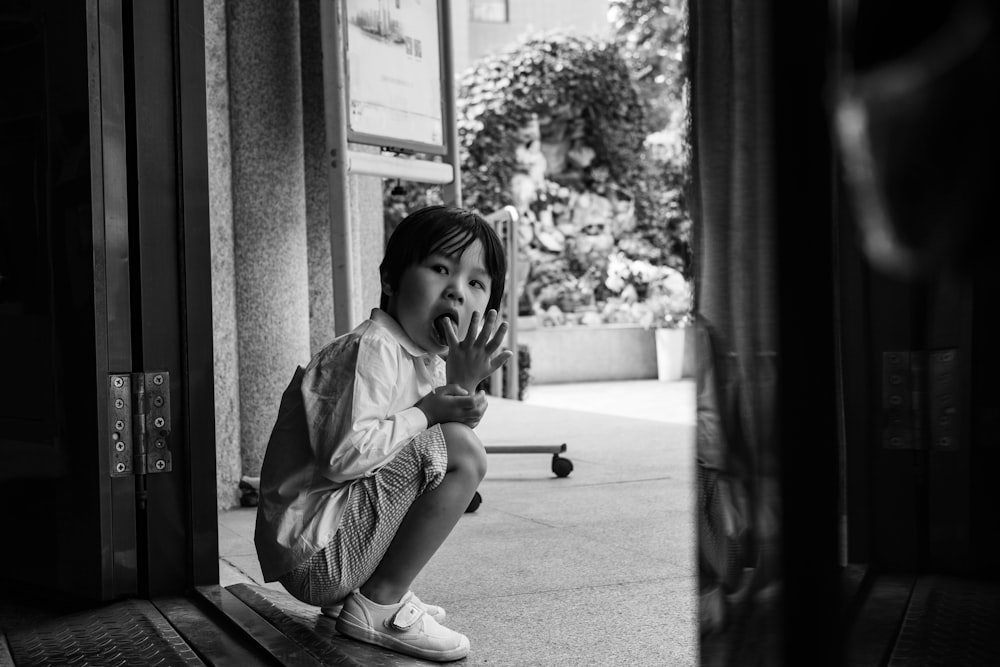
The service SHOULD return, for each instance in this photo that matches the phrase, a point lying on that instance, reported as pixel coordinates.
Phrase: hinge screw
(119, 425)
(157, 379)
(120, 467)
(119, 382)
(158, 422)
(159, 443)
(160, 465)
(120, 446)
(158, 401)
(119, 403)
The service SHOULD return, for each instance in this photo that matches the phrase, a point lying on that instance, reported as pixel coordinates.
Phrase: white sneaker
(403, 627)
(432, 610)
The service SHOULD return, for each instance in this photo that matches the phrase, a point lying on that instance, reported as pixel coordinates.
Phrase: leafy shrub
(555, 75)
(583, 83)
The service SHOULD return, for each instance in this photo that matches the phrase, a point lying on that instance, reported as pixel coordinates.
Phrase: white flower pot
(670, 354)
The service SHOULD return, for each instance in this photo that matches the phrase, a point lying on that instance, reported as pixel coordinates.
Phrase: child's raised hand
(452, 403)
(472, 360)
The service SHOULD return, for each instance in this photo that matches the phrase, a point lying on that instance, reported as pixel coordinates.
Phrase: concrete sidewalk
(594, 569)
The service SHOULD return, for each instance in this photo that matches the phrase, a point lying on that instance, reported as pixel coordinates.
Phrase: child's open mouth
(439, 328)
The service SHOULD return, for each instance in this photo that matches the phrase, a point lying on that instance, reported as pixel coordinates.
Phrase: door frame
(152, 253)
(112, 282)
(172, 300)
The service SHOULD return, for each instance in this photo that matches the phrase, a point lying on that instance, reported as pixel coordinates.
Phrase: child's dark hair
(448, 230)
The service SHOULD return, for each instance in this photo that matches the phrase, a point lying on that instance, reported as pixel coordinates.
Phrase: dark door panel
(104, 270)
(64, 309)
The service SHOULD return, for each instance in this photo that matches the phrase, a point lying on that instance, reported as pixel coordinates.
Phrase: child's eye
(478, 284)
(440, 268)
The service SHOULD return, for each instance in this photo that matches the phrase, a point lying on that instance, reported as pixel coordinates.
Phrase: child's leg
(430, 518)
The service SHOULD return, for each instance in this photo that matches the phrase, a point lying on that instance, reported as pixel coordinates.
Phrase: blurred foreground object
(917, 135)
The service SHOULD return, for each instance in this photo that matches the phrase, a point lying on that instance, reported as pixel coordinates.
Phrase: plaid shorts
(374, 511)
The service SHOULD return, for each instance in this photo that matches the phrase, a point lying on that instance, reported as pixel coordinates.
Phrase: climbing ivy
(546, 74)
(558, 74)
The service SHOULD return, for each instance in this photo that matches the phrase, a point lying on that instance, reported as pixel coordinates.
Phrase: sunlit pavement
(640, 399)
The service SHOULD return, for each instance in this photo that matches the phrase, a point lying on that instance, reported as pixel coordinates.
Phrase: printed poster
(394, 71)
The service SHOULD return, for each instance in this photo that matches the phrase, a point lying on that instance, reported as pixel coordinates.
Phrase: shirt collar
(387, 322)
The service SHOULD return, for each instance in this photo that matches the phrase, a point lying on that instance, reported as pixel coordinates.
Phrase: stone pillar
(269, 212)
(229, 464)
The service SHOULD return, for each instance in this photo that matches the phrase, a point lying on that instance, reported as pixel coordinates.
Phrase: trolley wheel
(474, 503)
(560, 466)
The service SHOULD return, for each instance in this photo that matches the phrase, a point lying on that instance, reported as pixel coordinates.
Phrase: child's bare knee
(465, 450)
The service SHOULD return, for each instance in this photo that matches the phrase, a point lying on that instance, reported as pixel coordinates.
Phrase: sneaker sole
(355, 628)
(334, 613)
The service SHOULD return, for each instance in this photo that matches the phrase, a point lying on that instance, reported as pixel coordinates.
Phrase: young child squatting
(373, 458)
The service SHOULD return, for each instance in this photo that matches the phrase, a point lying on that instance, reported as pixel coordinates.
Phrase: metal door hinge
(920, 399)
(139, 423)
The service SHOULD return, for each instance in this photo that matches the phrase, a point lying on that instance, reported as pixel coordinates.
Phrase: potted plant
(671, 316)
(653, 296)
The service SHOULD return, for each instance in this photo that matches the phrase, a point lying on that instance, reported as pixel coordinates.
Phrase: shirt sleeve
(349, 406)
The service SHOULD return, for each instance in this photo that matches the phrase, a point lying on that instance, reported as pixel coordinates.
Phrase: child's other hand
(472, 360)
(452, 403)
(474, 415)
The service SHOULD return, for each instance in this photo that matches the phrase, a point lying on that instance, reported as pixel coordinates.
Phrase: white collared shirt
(342, 418)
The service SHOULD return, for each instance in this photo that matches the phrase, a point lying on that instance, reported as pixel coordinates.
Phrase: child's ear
(386, 287)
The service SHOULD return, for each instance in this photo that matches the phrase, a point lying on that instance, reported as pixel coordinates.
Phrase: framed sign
(394, 74)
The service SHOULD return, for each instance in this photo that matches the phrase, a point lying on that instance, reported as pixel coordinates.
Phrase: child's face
(440, 285)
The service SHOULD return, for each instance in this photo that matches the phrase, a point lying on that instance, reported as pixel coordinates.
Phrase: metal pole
(335, 105)
(452, 192)
(512, 365)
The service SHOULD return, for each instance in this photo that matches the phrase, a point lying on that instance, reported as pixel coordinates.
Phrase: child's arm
(347, 397)
(472, 360)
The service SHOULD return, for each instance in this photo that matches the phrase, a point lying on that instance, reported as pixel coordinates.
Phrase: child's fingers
(452, 390)
(470, 335)
(497, 341)
(450, 333)
(481, 401)
(488, 325)
(500, 360)
(463, 403)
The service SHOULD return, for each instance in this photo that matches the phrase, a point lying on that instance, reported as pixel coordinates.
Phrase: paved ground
(640, 399)
(594, 569)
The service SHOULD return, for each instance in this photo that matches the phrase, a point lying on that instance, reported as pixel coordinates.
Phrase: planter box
(590, 353)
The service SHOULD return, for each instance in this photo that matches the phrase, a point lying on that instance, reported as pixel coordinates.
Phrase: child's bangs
(453, 242)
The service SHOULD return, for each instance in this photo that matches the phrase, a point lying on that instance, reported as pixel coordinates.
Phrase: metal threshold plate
(132, 632)
(950, 621)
